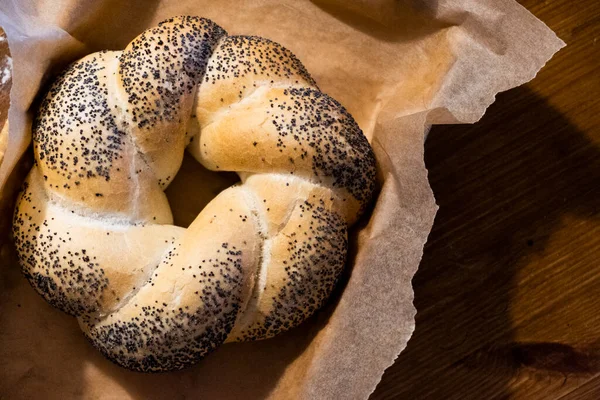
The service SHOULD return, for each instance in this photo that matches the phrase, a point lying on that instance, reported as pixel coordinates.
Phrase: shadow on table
(503, 186)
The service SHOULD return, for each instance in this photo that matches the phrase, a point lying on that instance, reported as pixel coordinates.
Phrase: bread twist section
(93, 228)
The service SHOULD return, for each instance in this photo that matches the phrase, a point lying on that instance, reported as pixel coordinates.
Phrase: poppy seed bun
(93, 228)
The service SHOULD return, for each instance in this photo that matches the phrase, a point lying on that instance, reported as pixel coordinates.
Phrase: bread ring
(93, 228)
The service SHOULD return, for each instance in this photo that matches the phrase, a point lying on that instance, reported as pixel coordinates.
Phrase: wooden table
(508, 292)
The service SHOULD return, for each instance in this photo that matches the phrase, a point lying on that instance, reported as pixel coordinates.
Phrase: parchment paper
(398, 66)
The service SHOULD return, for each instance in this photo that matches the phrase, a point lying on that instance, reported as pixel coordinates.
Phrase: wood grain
(508, 292)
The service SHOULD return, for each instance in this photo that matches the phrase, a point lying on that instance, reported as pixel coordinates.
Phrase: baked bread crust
(93, 228)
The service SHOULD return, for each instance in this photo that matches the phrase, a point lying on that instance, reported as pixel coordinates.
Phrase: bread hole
(193, 188)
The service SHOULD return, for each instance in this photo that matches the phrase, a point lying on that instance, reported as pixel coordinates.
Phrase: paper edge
(518, 14)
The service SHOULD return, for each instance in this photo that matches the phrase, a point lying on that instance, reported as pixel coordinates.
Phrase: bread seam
(126, 300)
(260, 274)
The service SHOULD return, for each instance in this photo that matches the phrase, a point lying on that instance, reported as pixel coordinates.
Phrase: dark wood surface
(508, 292)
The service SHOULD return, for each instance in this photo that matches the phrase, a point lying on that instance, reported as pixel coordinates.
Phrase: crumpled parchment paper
(397, 66)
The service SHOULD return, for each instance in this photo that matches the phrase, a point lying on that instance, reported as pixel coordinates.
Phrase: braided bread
(93, 228)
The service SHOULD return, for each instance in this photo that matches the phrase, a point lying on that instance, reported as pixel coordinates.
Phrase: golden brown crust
(304, 251)
(93, 227)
